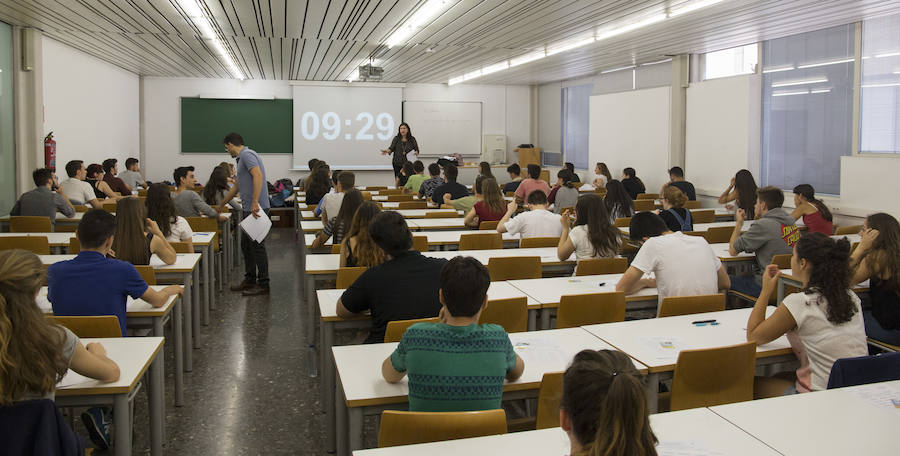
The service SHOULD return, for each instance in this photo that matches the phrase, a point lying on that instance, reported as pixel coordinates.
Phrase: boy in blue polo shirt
(73, 289)
(457, 364)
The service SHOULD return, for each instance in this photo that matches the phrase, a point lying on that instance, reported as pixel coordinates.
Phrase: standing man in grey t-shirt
(251, 183)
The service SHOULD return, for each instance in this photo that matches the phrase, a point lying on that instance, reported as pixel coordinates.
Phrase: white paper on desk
(257, 228)
(72, 378)
(664, 348)
(878, 395)
(538, 348)
(334, 295)
(684, 448)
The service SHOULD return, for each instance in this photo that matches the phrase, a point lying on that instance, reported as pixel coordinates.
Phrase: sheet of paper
(411, 156)
(535, 348)
(685, 448)
(334, 295)
(664, 348)
(257, 228)
(72, 378)
(155, 261)
(879, 395)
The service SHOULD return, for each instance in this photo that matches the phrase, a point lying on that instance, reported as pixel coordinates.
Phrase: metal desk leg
(340, 408)
(237, 243)
(652, 390)
(188, 306)
(328, 381)
(195, 302)
(545, 318)
(122, 425)
(355, 428)
(157, 431)
(208, 287)
(311, 307)
(532, 319)
(179, 353)
(226, 245)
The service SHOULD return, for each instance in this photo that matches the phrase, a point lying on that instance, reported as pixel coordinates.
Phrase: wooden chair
(446, 206)
(399, 197)
(511, 314)
(481, 241)
(686, 305)
(377, 188)
(81, 208)
(181, 247)
(90, 326)
(30, 224)
(545, 176)
(396, 329)
(142, 193)
(206, 224)
(623, 222)
(590, 309)
(38, 245)
(537, 242)
(718, 234)
(335, 249)
(492, 225)
(641, 205)
(442, 214)
(714, 376)
(596, 266)
(783, 261)
(704, 216)
(883, 345)
(549, 397)
(390, 191)
(406, 428)
(691, 205)
(367, 196)
(420, 243)
(509, 194)
(347, 275)
(845, 230)
(514, 268)
(74, 246)
(147, 274)
(647, 196)
(412, 205)
(110, 207)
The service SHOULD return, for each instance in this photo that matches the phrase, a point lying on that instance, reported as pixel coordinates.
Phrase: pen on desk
(601, 284)
(702, 322)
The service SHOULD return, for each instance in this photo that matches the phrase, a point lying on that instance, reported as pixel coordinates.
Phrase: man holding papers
(251, 179)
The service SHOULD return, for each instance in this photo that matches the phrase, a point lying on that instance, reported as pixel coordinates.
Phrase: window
(807, 108)
(879, 111)
(7, 145)
(730, 62)
(576, 109)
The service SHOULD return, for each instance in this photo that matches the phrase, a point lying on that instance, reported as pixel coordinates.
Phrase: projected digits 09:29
(362, 127)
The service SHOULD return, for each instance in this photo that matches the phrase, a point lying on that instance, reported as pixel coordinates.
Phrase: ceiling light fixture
(495, 68)
(629, 67)
(530, 57)
(819, 64)
(655, 63)
(630, 27)
(417, 21)
(820, 91)
(456, 80)
(692, 6)
(472, 75)
(203, 22)
(799, 82)
(569, 45)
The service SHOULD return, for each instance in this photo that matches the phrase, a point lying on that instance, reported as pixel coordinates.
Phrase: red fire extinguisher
(50, 152)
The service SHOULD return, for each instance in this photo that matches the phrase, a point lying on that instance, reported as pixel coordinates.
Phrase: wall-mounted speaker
(28, 49)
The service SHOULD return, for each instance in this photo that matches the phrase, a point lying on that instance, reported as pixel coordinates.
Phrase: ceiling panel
(327, 39)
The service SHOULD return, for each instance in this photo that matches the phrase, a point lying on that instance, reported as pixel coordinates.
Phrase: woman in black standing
(402, 144)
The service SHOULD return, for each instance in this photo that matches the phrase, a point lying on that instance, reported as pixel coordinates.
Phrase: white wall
(506, 110)
(868, 184)
(90, 105)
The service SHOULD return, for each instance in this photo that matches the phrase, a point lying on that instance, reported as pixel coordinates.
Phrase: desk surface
(54, 239)
(133, 307)
(436, 223)
(721, 251)
(549, 291)
(132, 354)
(184, 262)
(203, 237)
(434, 237)
(406, 213)
(706, 226)
(656, 342)
(844, 421)
(329, 263)
(359, 366)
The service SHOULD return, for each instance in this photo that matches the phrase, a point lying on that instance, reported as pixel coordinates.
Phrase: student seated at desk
(684, 265)
(76, 189)
(877, 258)
(467, 203)
(490, 206)
(571, 167)
(603, 408)
(187, 201)
(415, 181)
(592, 235)
(138, 237)
(633, 184)
(405, 173)
(455, 189)
(564, 194)
(45, 200)
(538, 221)
(823, 322)
(102, 190)
(132, 174)
(457, 364)
(814, 212)
(742, 191)
(340, 224)
(217, 187)
(515, 173)
(331, 202)
(426, 190)
(603, 175)
(68, 282)
(619, 203)
(532, 183)
(110, 170)
(404, 287)
(161, 209)
(677, 218)
(358, 249)
(773, 233)
(318, 184)
(676, 179)
(303, 181)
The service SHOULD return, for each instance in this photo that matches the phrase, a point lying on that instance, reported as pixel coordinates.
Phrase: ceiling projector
(370, 73)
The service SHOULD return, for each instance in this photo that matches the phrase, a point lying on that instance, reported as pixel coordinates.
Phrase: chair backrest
(488, 225)
(412, 205)
(376, 187)
(713, 376)
(649, 196)
(590, 309)
(420, 243)
(845, 230)
(509, 194)
(181, 247)
(38, 245)
(511, 314)
(74, 245)
(704, 216)
(346, 276)
(481, 241)
(686, 305)
(30, 224)
(545, 176)
(142, 193)
(90, 326)
(514, 268)
(441, 214)
(110, 206)
(396, 329)
(549, 397)
(691, 205)
(783, 261)
(202, 223)
(644, 205)
(864, 369)
(147, 274)
(335, 248)
(623, 222)
(367, 196)
(407, 428)
(718, 234)
(391, 191)
(537, 242)
(595, 266)
(81, 208)
(398, 197)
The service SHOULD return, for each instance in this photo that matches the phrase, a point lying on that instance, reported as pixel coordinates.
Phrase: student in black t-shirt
(515, 173)
(404, 287)
(633, 184)
(676, 179)
(450, 186)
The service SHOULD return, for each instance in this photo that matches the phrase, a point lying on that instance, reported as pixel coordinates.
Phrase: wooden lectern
(528, 156)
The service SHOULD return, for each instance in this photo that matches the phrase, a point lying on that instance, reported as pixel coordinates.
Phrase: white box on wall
(494, 149)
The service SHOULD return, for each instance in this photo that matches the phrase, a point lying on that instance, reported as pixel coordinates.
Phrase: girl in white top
(161, 209)
(592, 236)
(823, 321)
(603, 175)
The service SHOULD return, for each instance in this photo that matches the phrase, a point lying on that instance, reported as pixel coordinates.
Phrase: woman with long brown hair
(814, 212)
(138, 237)
(618, 202)
(742, 190)
(877, 258)
(603, 175)
(34, 354)
(591, 235)
(318, 184)
(161, 209)
(339, 225)
(603, 407)
(491, 207)
(358, 248)
(217, 187)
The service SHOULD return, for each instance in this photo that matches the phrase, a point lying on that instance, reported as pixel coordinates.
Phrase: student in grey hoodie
(773, 233)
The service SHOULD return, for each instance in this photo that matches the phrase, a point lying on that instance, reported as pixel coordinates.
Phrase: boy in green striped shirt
(457, 364)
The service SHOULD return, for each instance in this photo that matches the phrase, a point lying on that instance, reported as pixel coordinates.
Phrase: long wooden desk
(705, 226)
(406, 213)
(439, 240)
(61, 219)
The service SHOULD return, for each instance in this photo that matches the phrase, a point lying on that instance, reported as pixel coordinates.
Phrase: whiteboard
(445, 127)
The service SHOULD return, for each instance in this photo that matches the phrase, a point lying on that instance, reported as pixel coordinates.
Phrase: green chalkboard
(266, 125)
